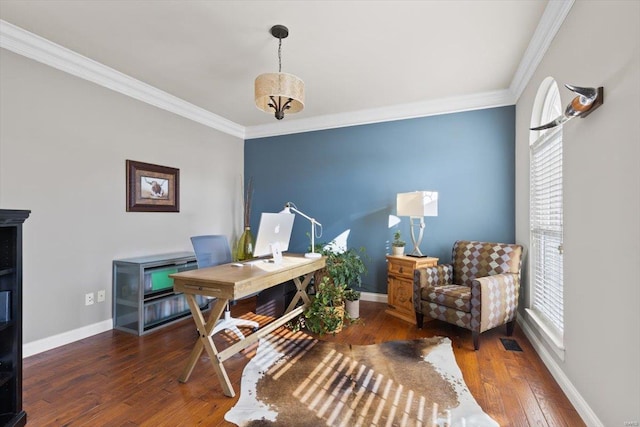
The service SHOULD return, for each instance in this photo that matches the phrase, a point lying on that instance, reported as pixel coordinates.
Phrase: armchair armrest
(428, 277)
(494, 300)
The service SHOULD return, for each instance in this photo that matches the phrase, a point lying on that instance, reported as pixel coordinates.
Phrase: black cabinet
(11, 413)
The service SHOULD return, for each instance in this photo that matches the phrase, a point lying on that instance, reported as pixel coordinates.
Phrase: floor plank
(119, 379)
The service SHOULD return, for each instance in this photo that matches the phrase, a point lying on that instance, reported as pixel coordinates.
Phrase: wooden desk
(227, 282)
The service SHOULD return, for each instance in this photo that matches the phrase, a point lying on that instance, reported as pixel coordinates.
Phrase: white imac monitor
(274, 228)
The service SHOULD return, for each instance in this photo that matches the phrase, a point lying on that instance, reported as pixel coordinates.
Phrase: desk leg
(301, 292)
(205, 341)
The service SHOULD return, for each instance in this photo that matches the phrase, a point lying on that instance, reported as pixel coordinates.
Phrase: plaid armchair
(478, 291)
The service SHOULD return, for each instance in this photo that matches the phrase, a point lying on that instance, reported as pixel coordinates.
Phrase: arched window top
(546, 107)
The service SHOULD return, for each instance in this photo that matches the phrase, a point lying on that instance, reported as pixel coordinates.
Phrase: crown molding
(550, 22)
(552, 18)
(27, 44)
(32, 46)
(434, 107)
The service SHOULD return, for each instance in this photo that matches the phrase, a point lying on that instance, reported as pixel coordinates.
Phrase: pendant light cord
(279, 55)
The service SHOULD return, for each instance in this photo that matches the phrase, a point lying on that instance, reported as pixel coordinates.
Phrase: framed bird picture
(152, 188)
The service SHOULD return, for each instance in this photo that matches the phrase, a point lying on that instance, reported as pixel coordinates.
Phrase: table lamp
(416, 206)
(289, 207)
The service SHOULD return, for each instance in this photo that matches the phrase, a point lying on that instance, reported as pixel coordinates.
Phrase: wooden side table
(400, 284)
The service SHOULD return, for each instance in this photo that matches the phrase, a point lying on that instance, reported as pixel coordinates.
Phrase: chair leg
(419, 320)
(476, 340)
(510, 326)
(230, 323)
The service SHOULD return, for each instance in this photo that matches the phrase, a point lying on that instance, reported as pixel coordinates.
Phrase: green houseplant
(344, 272)
(351, 295)
(397, 246)
(326, 312)
(345, 267)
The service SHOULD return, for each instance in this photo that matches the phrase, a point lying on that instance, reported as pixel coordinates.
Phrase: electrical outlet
(88, 299)
(102, 295)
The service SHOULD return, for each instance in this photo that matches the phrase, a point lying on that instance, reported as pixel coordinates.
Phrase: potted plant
(352, 303)
(344, 269)
(326, 312)
(397, 246)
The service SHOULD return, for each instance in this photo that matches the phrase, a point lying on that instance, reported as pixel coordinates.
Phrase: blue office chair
(213, 250)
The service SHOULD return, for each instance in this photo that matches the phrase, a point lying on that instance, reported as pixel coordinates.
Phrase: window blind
(546, 227)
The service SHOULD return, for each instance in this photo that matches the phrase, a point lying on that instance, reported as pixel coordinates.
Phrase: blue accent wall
(348, 178)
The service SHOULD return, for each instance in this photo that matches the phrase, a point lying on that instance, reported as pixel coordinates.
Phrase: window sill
(548, 334)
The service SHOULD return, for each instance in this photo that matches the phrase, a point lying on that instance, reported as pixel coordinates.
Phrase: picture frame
(152, 188)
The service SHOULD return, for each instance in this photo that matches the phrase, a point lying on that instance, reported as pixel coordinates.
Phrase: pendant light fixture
(279, 92)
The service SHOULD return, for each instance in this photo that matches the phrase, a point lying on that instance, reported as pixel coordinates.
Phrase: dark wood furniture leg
(510, 326)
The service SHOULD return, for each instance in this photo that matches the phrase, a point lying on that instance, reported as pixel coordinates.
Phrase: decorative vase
(245, 245)
(397, 250)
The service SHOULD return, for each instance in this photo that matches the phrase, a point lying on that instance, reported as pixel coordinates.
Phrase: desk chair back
(211, 250)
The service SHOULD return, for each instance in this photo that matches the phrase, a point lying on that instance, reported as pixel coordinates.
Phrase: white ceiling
(354, 56)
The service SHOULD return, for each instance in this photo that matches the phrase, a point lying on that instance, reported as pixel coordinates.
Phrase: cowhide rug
(299, 381)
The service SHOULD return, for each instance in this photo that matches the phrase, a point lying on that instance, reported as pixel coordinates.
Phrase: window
(546, 220)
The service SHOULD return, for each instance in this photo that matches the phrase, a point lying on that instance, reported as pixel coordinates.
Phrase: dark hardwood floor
(118, 379)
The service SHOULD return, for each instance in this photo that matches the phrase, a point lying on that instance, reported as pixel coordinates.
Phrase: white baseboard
(588, 416)
(370, 296)
(39, 346)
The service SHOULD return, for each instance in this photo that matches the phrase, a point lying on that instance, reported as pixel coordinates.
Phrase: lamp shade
(283, 85)
(417, 203)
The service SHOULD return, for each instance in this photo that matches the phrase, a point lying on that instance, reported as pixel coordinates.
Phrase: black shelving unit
(11, 413)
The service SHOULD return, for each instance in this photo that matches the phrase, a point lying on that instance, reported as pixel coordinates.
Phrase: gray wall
(598, 45)
(348, 179)
(63, 146)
